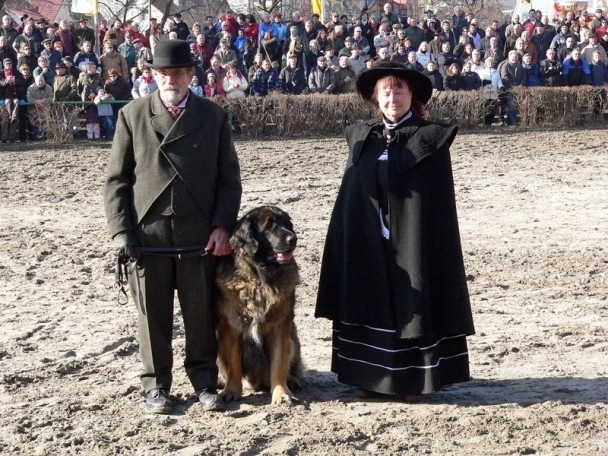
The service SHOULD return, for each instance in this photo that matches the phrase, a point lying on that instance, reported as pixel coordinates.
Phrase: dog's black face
(266, 233)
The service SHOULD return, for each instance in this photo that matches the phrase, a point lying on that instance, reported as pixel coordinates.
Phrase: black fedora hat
(419, 84)
(172, 54)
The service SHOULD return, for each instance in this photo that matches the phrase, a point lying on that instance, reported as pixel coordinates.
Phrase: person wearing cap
(141, 51)
(348, 45)
(322, 80)
(181, 28)
(173, 184)
(392, 275)
(50, 53)
(360, 40)
(72, 69)
(64, 85)
(596, 21)
(44, 70)
(293, 76)
(84, 33)
(128, 50)
(12, 86)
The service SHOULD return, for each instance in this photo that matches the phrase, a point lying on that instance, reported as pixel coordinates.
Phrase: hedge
(322, 115)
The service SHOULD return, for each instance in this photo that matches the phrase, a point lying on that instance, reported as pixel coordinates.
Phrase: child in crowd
(195, 88)
(105, 112)
(92, 119)
(212, 88)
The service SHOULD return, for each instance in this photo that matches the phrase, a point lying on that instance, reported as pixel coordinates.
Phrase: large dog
(254, 305)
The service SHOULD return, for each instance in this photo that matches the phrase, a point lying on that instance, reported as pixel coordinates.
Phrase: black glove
(127, 245)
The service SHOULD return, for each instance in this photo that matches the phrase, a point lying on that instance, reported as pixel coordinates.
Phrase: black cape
(415, 282)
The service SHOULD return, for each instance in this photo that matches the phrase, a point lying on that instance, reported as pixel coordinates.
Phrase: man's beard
(172, 95)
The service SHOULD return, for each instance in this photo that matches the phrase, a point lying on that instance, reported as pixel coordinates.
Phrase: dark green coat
(415, 282)
(150, 149)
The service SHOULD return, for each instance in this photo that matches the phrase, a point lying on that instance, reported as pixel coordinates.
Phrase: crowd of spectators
(239, 56)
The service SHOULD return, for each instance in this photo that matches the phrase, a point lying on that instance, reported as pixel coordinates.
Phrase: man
(50, 53)
(551, 69)
(344, 77)
(27, 38)
(85, 56)
(292, 77)
(181, 28)
(512, 75)
(112, 59)
(205, 51)
(141, 52)
(575, 71)
(7, 30)
(355, 61)
(593, 46)
(38, 94)
(389, 15)
(64, 86)
(173, 184)
(128, 51)
(321, 79)
(415, 33)
(84, 33)
(360, 40)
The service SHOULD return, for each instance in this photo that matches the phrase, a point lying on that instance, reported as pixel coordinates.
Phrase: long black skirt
(374, 359)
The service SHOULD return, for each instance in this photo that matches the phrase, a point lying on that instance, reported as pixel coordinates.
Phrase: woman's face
(393, 101)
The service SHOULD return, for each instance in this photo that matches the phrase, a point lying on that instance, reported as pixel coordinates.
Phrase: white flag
(83, 6)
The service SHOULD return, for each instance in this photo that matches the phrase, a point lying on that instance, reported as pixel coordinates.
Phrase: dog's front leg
(279, 364)
(230, 357)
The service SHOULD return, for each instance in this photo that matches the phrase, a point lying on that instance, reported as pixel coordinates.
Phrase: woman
(452, 81)
(392, 277)
(424, 56)
(322, 39)
(470, 79)
(234, 84)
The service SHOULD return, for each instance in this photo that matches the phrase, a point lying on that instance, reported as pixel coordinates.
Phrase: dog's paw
(281, 395)
(230, 395)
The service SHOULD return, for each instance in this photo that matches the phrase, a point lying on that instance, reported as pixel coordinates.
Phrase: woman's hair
(268, 35)
(451, 68)
(395, 82)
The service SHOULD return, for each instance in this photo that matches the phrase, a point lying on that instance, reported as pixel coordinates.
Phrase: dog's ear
(243, 238)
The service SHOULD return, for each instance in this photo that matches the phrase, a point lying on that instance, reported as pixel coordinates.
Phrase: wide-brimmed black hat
(419, 84)
(172, 54)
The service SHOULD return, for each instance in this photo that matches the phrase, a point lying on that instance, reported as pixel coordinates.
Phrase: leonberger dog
(254, 305)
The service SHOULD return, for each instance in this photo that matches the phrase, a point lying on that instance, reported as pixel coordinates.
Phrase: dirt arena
(533, 210)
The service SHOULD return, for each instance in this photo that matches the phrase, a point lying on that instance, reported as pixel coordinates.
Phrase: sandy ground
(533, 212)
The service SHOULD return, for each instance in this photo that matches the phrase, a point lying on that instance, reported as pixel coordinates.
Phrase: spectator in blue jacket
(575, 71)
(265, 80)
(532, 71)
(598, 71)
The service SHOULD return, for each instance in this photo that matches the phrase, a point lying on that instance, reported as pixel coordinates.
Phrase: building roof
(37, 9)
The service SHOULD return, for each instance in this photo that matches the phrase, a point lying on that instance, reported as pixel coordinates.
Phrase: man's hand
(219, 242)
(127, 245)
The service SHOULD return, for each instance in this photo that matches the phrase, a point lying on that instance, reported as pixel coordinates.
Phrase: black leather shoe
(158, 401)
(210, 400)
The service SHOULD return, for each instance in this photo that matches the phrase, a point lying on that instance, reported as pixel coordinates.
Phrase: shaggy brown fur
(254, 304)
